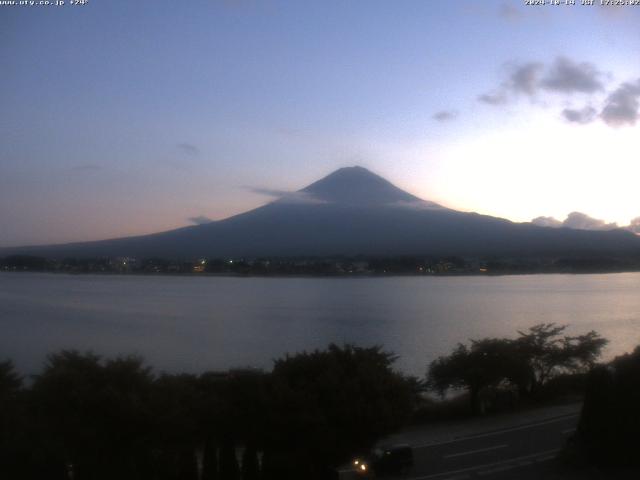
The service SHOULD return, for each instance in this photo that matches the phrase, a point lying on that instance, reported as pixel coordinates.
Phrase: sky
(123, 118)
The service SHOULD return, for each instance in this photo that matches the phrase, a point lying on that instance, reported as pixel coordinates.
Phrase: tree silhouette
(483, 364)
(175, 406)
(92, 415)
(547, 353)
(607, 433)
(326, 405)
(12, 419)
(527, 362)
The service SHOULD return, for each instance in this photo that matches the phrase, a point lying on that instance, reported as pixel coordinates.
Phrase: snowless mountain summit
(353, 211)
(359, 186)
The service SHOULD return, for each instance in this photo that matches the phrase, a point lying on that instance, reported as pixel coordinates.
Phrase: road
(491, 455)
(493, 452)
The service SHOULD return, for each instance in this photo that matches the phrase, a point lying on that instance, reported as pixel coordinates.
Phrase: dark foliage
(12, 416)
(89, 418)
(93, 416)
(607, 434)
(524, 364)
(325, 405)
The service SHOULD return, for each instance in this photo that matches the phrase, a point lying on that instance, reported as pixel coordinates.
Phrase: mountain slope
(350, 212)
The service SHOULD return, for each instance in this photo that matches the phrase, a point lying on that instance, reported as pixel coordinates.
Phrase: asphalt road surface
(493, 452)
(492, 455)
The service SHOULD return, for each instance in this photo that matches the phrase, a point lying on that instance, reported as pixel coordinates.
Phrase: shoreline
(326, 275)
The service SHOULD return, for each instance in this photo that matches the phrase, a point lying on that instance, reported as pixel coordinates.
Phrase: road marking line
(546, 458)
(497, 432)
(568, 430)
(492, 464)
(497, 469)
(471, 452)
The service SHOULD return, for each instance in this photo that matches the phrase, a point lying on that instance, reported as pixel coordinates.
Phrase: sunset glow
(143, 120)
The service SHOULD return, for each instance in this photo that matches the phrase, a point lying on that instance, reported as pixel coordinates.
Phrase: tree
(250, 466)
(229, 468)
(527, 362)
(327, 405)
(93, 416)
(244, 424)
(10, 381)
(11, 417)
(485, 363)
(547, 353)
(608, 429)
(176, 405)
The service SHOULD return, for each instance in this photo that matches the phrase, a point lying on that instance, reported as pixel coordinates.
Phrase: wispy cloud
(188, 149)
(283, 196)
(583, 116)
(200, 220)
(418, 205)
(494, 98)
(509, 12)
(445, 115)
(547, 222)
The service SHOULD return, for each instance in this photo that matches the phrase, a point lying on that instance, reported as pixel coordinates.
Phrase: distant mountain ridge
(353, 211)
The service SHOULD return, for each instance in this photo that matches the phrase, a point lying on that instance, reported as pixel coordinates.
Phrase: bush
(610, 421)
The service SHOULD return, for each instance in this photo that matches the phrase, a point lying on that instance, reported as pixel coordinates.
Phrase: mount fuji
(353, 211)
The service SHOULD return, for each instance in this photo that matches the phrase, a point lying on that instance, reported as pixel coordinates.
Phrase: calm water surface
(198, 323)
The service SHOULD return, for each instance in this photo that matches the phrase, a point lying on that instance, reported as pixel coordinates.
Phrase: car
(385, 460)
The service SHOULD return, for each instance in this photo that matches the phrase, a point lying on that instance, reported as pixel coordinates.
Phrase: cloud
(522, 78)
(269, 192)
(564, 76)
(200, 220)
(525, 78)
(188, 149)
(582, 116)
(634, 226)
(445, 115)
(547, 222)
(86, 167)
(622, 106)
(417, 205)
(509, 12)
(577, 221)
(567, 76)
(582, 221)
(495, 98)
(283, 196)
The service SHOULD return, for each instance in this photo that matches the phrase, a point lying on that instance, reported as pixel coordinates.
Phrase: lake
(195, 323)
